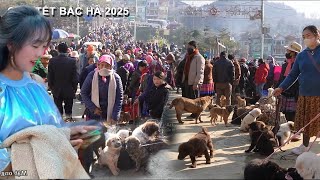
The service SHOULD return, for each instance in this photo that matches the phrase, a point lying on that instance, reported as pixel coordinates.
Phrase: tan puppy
(195, 106)
(241, 102)
(125, 117)
(223, 101)
(110, 154)
(223, 112)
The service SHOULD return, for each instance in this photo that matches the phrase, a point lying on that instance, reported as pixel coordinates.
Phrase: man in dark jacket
(237, 72)
(62, 80)
(223, 77)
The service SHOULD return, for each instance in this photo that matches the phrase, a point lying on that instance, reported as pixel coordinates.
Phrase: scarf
(189, 58)
(289, 65)
(111, 92)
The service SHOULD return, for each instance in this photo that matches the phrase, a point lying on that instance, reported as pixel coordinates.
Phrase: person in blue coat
(102, 92)
(24, 36)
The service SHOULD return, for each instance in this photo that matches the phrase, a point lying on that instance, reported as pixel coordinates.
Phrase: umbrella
(74, 36)
(59, 33)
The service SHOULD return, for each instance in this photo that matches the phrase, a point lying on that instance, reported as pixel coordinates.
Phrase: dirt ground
(228, 162)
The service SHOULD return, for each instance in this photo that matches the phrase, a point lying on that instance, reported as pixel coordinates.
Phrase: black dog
(262, 141)
(258, 169)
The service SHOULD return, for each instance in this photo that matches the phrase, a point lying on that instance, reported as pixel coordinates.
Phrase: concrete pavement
(229, 157)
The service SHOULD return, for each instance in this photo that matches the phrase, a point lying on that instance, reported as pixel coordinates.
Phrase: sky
(310, 8)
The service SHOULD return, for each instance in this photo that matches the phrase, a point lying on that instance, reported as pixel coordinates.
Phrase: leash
(315, 118)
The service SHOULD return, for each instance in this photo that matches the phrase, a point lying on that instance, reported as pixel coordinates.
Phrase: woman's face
(26, 57)
(157, 81)
(310, 39)
(104, 65)
(90, 61)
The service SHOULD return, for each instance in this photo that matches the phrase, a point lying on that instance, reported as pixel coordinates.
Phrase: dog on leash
(262, 141)
(239, 113)
(123, 134)
(197, 146)
(110, 154)
(249, 118)
(241, 102)
(195, 106)
(308, 165)
(137, 152)
(284, 132)
(222, 112)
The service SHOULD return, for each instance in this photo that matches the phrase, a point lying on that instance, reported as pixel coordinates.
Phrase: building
(255, 45)
(152, 9)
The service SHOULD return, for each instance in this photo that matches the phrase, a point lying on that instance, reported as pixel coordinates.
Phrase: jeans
(259, 89)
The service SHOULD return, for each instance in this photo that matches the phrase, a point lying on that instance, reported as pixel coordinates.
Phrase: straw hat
(294, 46)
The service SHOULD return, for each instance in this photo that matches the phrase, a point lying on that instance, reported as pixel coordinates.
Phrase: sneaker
(299, 150)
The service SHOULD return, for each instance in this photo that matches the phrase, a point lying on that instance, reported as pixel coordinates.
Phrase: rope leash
(315, 118)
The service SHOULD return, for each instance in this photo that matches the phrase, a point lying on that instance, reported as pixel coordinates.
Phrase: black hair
(230, 56)
(260, 61)
(223, 54)
(21, 25)
(313, 29)
(142, 64)
(62, 48)
(193, 43)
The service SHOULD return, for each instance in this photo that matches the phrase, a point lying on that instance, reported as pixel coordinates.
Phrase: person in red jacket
(260, 77)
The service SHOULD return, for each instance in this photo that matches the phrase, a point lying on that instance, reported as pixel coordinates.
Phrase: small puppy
(249, 118)
(138, 153)
(197, 146)
(259, 126)
(222, 112)
(195, 106)
(272, 99)
(110, 154)
(223, 101)
(284, 132)
(261, 141)
(264, 170)
(241, 102)
(240, 113)
(123, 134)
(308, 165)
(146, 132)
(125, 117)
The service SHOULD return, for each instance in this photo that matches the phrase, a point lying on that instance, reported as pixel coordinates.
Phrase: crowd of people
(122, 74)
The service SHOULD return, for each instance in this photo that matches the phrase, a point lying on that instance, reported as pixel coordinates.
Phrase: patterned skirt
(206, 90)
(307, 108)
(288, 104)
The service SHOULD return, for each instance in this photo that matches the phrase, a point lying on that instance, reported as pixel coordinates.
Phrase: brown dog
(223, 101)
(223, 112)
(197, 146)
(195, 106)
(125, 117)
(241, 102)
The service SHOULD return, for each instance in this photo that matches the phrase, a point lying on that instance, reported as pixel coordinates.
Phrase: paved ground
(228, 162)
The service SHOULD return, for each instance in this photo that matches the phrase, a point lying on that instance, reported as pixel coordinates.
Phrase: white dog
(123, 134)
(110, 154)
(271, 98)
(249, 118)
(308, 165)
(285, 132)
(146, 132)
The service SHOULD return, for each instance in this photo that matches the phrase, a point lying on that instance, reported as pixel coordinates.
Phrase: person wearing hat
(41, 65)
(156, 98)
(290, 97)
(75, 55)
(306, 69)
(102, 92)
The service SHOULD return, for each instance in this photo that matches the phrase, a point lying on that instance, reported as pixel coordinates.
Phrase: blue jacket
(103, 96)
(307, 74)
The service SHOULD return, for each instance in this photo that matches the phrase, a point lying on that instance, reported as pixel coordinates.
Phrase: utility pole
(78, 31)
(135, 22)
(262, 28)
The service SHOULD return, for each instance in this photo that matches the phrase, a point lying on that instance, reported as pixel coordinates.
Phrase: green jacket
(40, 69)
